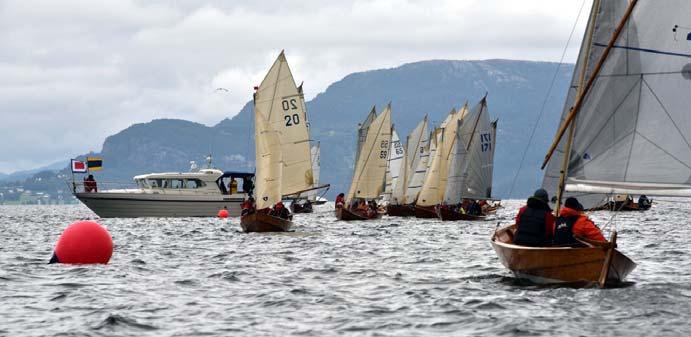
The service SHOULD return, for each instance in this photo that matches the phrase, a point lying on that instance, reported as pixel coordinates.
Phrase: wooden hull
(400, 210)
(347, 215)
(446, 214)
(425, 212)
(614, 208)
(548, 265)
(259, 222)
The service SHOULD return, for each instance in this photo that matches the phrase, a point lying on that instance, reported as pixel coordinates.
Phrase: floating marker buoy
(223, 213)
(83, 242)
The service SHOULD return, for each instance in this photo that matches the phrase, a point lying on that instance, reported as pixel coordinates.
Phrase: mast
(589, 84)
(581, 78)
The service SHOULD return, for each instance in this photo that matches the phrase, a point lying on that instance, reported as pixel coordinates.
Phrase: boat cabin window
(175, 183)
(156, 183)
(193, 183)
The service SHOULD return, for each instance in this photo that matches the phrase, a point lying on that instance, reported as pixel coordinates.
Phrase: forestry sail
(269, 165)
(632, 132)
(602, 23)
(395, 165)
(316, 168)
(280, 101)
(418, 153)
(368, 179)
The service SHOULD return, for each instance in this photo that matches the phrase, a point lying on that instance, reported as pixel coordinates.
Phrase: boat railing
(100, 186)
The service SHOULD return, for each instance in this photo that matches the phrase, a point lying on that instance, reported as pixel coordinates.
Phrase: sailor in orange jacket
(572, 222)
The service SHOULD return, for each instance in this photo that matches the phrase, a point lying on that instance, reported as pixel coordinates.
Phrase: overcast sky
(74, 72)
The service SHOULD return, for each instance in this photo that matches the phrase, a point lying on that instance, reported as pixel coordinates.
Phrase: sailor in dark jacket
(535, 222)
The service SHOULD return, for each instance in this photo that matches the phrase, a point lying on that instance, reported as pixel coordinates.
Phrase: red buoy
(223, 213)
(84, 242)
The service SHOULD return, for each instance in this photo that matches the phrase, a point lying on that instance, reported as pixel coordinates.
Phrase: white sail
(419, 170)
(368, 179)
(269, 164)
(633, 126)
(280, 101)
(394, 165)
(602, 23)
(316, 169)
(398, 193)
(363, 128)
(431, 190)
(456, 176)
(479, 165)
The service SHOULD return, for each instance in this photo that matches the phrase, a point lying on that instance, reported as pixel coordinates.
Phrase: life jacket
(531, 229)
(563, 230)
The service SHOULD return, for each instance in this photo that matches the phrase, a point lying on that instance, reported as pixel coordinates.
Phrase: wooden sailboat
(284, 166)
(394, 167)
(412, 172)
(370, 169)
(627, 130)
(268, 181)
(432, 191)
(470, 164)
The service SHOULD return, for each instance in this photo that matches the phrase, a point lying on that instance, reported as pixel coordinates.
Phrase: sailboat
(412, 172)
(282, 139)
(471, 164)
(627, 130)
(432, 191)
(370, 169)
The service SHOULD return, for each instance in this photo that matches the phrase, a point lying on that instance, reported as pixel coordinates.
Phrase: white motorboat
(200, 193)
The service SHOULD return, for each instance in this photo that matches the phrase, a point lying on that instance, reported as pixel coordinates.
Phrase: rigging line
(544, 102)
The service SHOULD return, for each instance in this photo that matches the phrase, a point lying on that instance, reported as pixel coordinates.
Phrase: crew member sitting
(572, 222)
(340, 200)
(90, 184)
(362, 207)
(644, 202)
(474, 208)
(535, 221)
(247, 206)
(280, 211)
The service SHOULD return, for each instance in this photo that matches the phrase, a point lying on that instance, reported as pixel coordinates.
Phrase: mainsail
(269, 163)
(418, 153)
(394, 165)
(631, 131)
(362, 130)
(479, 165)
(368, 178)
(281, 103)
(601, 25)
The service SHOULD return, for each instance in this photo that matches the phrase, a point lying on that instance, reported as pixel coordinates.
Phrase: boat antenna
(208, 161)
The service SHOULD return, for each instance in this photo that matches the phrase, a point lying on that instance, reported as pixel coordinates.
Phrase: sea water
(390, 277)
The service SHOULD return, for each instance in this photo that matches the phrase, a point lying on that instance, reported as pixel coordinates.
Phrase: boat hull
(400, 210)
(297, 208)
(549, 265)
(111, 205)
(347, 215)
(446, 214)
(262, 223)
(425, 212)
(619, 208)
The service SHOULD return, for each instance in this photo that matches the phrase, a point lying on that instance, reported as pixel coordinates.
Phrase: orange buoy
(83, 242)
(223, 213)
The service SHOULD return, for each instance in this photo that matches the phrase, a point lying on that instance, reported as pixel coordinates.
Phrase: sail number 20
(485, 142)
(291, 119)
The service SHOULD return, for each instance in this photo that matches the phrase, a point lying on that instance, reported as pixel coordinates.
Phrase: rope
(544, 102)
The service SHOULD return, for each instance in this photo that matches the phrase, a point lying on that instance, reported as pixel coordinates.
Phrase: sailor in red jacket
(340, 200)
(535, 222)
(572, 222)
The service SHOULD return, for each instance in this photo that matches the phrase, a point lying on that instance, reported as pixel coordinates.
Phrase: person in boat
(573, 223)
(233, 186)
(535, 221)
(247, 185)
(90, 184)
(644, 202)
(474, 208)
(280, 211)
(340, 200)
(248, 206)
(362, 207)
